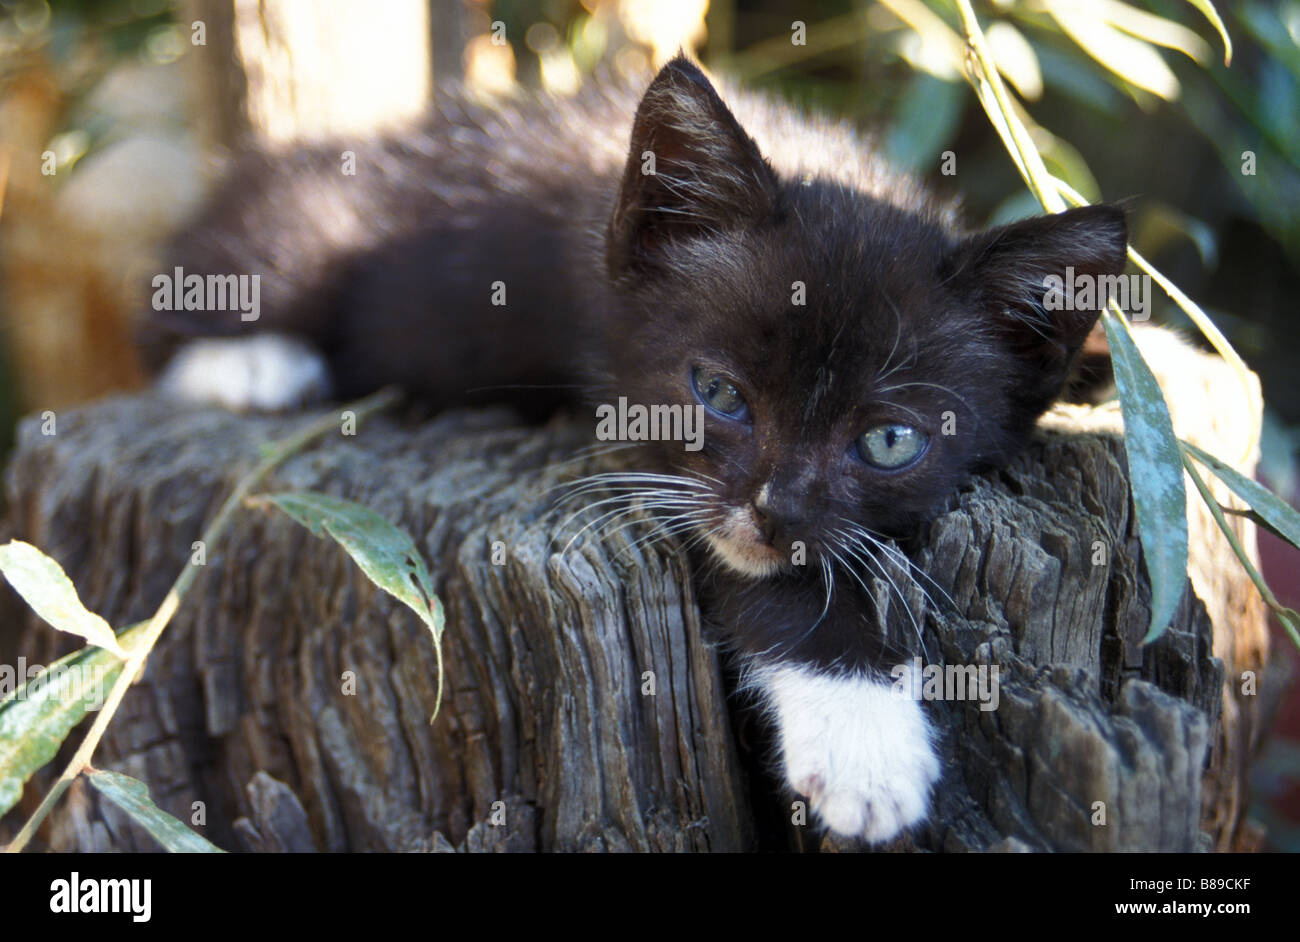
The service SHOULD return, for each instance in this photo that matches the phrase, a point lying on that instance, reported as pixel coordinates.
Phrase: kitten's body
(831, 298)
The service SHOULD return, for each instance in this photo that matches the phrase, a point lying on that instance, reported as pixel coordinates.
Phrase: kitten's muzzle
(740, 542)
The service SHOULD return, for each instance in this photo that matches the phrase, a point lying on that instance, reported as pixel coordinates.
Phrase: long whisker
(598, 522)
(828, 578)
(606, 533)
(670, 503)
(628, 479)
(913, 570)
(617, 498)
(663, 527)
(864, 556)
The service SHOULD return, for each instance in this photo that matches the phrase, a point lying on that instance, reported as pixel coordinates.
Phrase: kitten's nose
(777, 514)
(766, 522)
(774, 521)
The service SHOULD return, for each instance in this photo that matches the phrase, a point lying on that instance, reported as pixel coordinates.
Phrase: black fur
(620, 283)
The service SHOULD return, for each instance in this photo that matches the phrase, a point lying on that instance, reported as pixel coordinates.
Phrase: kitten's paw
(264, 372)
(858, 750)
(859, 792)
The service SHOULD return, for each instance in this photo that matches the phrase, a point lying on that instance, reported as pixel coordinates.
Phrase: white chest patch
(857, 749)
(264, 372)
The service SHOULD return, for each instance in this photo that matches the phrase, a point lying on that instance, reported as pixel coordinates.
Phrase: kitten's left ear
(691, 170)
(1007, 272)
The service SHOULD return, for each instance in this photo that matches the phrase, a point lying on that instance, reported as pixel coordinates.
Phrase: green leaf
(1256, 519)
(36, 717)
(385, 553)
(1290, 619)
(47, 589)
(1131, 59)
(1211, 14)
(1155, 467)
(132, 796)
(1275, 513)
(1155, 29)
(1016, 59)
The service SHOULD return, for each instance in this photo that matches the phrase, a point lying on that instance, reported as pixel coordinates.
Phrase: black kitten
(852, 354)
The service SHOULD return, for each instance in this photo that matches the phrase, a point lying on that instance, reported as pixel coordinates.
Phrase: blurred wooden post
(286, 70)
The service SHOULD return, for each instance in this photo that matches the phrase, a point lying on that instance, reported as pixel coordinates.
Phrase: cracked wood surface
(546, 740)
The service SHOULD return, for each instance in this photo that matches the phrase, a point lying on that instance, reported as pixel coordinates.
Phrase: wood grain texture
(544, 724)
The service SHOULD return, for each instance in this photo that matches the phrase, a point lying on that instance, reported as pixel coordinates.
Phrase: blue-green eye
(891, 446)
(718, 392)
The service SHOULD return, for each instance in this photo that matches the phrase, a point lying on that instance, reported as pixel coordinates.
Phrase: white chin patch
(861, 752)
(264, 372)
(736, 542)
(741, 561)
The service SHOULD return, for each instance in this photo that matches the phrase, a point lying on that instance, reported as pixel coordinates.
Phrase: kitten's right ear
(691, 169)
(1003, 273)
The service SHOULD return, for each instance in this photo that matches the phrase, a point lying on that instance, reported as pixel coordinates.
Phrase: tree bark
(549, 737)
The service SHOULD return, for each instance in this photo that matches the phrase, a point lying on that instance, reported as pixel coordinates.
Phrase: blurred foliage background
(1126, 101)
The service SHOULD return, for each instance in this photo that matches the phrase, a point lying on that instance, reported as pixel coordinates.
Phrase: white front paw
(262, 372)
(863, 788)
(858, 750)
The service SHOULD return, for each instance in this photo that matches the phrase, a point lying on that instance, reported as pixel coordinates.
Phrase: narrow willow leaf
(37, 716)
(1280, 518)
(1256, 519)
(44, 585)
(1016, 59)
(1131, 59)
(1154, 29)
(132, 796)
(1155, 467)
(385, 553)
(1211, 14)
(1290, 619)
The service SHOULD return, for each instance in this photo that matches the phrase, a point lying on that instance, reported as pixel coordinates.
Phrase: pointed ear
(1010, 273)
(691, 169)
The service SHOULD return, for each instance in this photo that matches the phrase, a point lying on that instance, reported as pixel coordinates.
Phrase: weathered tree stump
(544, 724)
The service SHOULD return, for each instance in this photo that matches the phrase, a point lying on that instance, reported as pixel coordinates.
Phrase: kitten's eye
(718, 393)
(891, 446)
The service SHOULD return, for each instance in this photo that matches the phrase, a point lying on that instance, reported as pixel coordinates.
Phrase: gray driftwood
(545, 725)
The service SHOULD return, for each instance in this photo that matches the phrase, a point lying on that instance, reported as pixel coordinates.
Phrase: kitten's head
(855, 357)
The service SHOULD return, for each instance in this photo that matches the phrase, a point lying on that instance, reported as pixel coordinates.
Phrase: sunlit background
(107, 127)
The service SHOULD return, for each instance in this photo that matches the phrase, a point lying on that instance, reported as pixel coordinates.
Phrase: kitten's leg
(859, 748)
(262, 372)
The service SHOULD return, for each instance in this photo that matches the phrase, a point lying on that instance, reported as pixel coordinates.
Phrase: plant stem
(1035, 171)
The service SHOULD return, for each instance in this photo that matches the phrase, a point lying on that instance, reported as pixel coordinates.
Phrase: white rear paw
(262, 372)
(855, 747)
